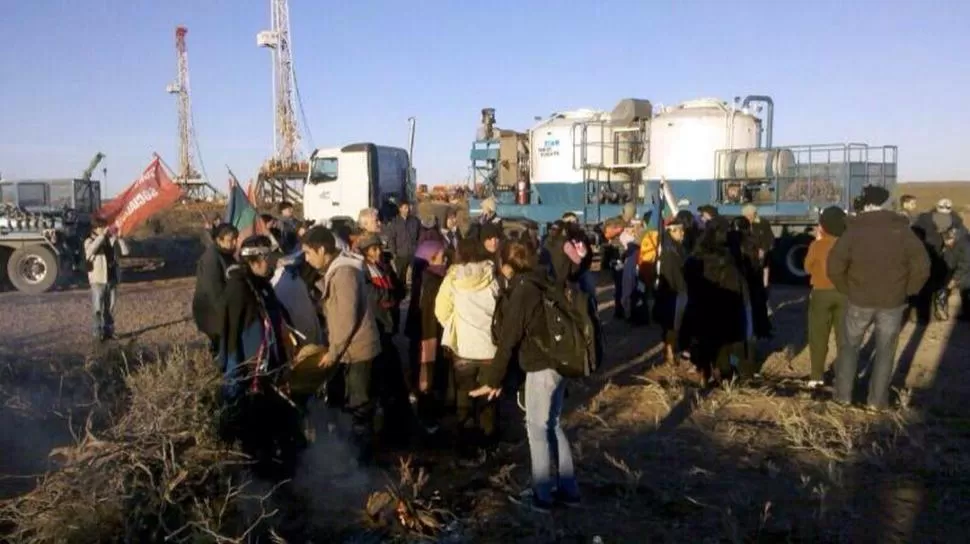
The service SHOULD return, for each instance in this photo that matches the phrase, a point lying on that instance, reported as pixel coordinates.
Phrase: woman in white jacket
(464, 307)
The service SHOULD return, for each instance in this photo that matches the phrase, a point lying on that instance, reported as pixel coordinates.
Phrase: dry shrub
(401, 509)
(157, 473)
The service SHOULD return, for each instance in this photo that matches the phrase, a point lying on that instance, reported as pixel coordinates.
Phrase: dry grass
(156, 473)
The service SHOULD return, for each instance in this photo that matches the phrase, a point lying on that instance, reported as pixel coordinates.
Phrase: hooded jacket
(465, 306)
(351, 327)
(520, 319)
(878, 262)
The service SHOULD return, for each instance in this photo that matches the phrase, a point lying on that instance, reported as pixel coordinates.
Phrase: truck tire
(33, 269)
(789, 261)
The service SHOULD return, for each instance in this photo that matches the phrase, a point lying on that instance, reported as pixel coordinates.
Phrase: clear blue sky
(79, 76)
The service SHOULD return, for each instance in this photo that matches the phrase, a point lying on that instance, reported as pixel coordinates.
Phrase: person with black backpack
(550, 333)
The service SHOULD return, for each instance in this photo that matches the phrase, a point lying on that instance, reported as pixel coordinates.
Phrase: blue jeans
(548, 446)
(887, 324)
(103, 297)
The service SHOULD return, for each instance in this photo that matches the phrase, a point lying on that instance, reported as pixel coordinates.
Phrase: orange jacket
(817, 259)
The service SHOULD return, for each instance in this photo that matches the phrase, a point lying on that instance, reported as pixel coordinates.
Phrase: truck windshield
(323, 169)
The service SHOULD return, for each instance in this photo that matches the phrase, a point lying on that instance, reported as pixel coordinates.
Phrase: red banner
(151, 193)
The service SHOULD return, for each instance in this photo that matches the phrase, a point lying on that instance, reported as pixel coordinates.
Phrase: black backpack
(568, 338)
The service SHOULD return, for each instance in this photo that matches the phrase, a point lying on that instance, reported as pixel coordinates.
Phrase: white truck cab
(344, 180)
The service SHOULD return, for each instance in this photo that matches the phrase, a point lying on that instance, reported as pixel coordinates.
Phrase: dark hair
(519, 256)
(317, 237)
(402, 202)
(488, 231)
(224, 229)
(451, 212)
(906, 199)
(708, 209)
(470, 251)
(283, 206)
(570, 215)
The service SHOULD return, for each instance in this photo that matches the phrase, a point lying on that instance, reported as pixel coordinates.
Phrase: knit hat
(368, 240)
(873, 195)
(832, 220)
(942, 221)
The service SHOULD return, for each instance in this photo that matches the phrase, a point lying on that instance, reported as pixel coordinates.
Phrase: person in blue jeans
(520, 310)
(102, 249)
(877, 264)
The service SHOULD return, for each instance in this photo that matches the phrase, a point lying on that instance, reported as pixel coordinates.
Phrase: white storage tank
(684, 139)
(559, 148)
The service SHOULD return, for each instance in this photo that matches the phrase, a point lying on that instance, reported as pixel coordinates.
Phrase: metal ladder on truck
(632, 142)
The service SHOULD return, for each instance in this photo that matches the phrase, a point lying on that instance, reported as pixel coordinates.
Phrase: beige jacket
(351, 326)
(98, 263)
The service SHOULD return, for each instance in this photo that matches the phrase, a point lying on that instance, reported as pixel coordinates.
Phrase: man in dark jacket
(210, 283)
(876, 264)
(402, 238)
(670, 295)
(956, 255)
(763, 237)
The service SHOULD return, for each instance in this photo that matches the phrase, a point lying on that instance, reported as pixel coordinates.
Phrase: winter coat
(878, 262)
(253, 335)
(671, 284)
(762, 235)
(519, 324)
(351, 327)
(402, 235)
(101, 253)
(210, 287)
(926, 230)
(293, 294)
(957, 261)
(464, 307)
(715, 314)
(745, 249)
(422, 327)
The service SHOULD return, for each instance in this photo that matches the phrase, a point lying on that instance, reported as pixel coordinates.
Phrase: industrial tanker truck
(707, 151)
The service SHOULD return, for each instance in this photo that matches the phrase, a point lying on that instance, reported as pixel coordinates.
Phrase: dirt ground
(659, 459)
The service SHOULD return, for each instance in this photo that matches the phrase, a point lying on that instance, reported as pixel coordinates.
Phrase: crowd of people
(418, 330)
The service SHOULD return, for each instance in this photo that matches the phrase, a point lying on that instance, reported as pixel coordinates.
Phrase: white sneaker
(815, 384)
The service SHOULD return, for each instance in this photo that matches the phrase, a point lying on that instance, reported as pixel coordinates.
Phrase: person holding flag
(102, 249)
(152, 192)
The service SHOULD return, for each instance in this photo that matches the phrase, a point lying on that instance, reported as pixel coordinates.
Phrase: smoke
(329, 477)
(328, 492)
